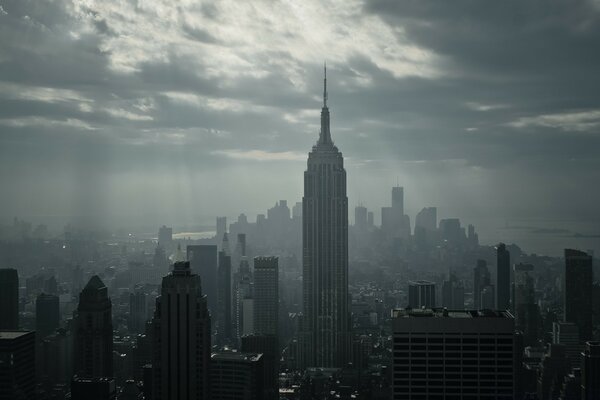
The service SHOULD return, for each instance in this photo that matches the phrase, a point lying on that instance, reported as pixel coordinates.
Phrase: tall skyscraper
(394, 223)
(93, 332)
(267, 345)
(266, 295)
(441, 354)
(421, 294)
(9, 299)
(224, 331)
(525, 308)
(325, 252)
(481, 279)
(165, 236)
(181, 326)
(578, 291)
(47, 315)
(427, 219)
(590, 376)
(453, 294)
(138, 312)
(502, 277)
(221, 227)
(398, 199)
(17, 365)
(203, 261)
(360, 218)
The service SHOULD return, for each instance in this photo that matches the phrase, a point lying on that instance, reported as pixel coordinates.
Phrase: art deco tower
(325, 252)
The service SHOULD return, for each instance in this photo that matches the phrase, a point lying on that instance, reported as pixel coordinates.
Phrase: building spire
(325, 84)
(325, 135)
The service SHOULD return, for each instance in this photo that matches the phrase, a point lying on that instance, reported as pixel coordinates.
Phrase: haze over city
(152, 111)
(316, 200)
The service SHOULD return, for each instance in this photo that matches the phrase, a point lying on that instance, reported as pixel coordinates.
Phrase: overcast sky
(179, 109)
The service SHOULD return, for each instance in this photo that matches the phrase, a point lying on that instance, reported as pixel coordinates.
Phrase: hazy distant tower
(325, 252)
(502, 277)
(578, 291)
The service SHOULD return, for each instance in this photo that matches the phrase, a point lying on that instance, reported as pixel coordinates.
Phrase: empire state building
(325, 252)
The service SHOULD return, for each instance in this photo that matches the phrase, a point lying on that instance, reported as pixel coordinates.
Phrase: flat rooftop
(236, 356)
(9, 335)
(445, 313)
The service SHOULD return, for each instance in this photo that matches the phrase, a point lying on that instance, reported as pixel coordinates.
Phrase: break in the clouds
(196, 108)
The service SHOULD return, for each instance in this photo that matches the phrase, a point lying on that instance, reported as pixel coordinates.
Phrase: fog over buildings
(156, 111)
(352, 199)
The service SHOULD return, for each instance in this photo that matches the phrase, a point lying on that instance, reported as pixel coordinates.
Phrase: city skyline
(413, 107)
(178, 220)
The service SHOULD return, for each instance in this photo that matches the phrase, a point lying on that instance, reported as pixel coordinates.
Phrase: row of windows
(420, 339)
(451, 356)
(481, 370)
(452, 347)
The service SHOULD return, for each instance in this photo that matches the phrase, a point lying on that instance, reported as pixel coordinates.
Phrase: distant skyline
(167, 112)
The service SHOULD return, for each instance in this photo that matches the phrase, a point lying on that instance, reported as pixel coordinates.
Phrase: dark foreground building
(181, 328)
(441, 354)
(236, 376)
(17, 365)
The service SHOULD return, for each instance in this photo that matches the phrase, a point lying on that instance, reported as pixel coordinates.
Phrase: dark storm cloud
(427, 92)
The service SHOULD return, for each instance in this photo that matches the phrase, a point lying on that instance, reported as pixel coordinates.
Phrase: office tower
(567, 334)
(421, 294)
(224, 331)
(241, 244)
(297, 210)
(427, 219)
(502, 277)
(393, 221)
(552, 370)
(578, 291)
(590, 374)
(244, 300)
(440, 354)
(472, 237)
(221, 228)
(266, 295)
(181, 328)
(165, 236)
(138, 312)
(525, 308)
(203, 261)
(360, 218)
(370, 219)
(451, 230)
(236, 376)
(487, 298)
(93, 388)
(398, 199)
(93, 332)
(17, 365)
(57, 357)
(481, 279)
(247, 316)
(160, 261)
(267, 345)
(453, 294)
(9, 299)
(325, 252)
(47, 315)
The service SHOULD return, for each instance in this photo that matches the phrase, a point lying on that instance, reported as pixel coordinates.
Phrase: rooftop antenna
(325, 84)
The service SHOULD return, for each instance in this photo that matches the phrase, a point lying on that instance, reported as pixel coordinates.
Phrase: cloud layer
(184, 109)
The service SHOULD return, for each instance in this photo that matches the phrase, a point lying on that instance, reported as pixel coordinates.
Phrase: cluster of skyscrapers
(215, 322)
